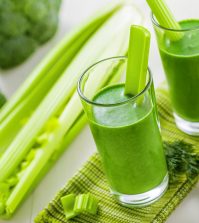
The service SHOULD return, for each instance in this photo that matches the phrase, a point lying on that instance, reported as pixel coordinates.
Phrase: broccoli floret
(24, 25)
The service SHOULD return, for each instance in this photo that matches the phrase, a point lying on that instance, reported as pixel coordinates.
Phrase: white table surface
(72, 12)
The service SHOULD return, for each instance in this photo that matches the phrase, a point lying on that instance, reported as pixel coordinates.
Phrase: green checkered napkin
(91, 179)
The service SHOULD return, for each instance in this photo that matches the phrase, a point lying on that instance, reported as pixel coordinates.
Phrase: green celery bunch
(45, 114)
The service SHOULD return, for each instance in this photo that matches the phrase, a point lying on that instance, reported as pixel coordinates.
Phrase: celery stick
(68, 202)
(138, 55)
(43, 68)
(62, 90)
(74, 205)
(86, 203)
(165, 17)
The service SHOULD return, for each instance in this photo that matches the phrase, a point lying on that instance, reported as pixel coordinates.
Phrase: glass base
(190, 128)
(144, 199)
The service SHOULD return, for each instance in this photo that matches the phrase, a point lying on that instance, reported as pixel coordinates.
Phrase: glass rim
(156, 23)
(133, 98)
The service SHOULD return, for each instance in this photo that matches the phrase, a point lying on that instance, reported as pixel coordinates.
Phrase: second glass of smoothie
(126, 132)
(179, 50)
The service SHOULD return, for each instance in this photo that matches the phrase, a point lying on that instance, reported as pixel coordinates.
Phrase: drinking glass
(179, 51)
(126, 133)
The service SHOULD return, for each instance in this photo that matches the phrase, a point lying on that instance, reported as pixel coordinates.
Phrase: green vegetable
(82, 203)
(2, 100)
(165, 17)
(182, 159)
(138, 56)
(45, 114)
(86, 203)
(25, 24)
(68, 203)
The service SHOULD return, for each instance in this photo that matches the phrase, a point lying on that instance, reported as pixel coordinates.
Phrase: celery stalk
(163, 14)
(138, 55)
(165, 17)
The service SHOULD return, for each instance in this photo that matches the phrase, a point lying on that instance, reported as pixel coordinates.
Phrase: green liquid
(181, 64)
(129, 142)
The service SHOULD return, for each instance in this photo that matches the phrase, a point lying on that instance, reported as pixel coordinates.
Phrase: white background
(72, 12)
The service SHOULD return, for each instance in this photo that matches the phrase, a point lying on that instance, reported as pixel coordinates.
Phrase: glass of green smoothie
(179, 51)
(126, 132)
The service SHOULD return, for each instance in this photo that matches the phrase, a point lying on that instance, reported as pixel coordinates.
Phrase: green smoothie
(129, 142)
(181, 64)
